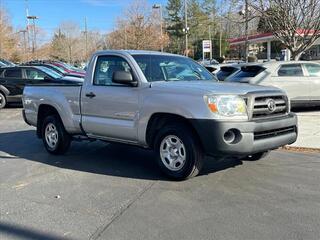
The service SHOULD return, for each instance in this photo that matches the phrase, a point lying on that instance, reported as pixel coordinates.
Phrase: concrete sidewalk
(309, 129)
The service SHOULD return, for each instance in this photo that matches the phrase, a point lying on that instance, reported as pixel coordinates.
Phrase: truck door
(110, 110)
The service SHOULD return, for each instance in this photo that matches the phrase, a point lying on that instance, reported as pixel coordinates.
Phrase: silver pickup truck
(165, 102)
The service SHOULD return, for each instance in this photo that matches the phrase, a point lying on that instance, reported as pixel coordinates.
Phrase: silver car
(299, 79)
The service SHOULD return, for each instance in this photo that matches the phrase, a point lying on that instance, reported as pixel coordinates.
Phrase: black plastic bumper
(253, 136)
(24, 117)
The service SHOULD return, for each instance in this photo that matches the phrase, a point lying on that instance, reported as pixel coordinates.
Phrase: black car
(14, 79)
(226, 71)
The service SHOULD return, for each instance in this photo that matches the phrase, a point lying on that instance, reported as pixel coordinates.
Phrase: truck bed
(65, 98)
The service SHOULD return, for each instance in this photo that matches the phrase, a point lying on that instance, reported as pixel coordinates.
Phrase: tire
(55, 138)
(3, 100)
(183, 149)
(256, 156)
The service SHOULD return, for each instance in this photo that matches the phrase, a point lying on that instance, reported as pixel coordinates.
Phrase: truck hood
(72, 79)
(208, 87)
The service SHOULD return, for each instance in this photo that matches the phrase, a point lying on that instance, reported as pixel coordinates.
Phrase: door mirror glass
(47, 78)
(123, 77)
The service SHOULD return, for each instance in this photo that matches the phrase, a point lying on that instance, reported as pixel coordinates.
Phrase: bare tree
(296, 23)
(8, 38)
(137, 29)
(69, 44)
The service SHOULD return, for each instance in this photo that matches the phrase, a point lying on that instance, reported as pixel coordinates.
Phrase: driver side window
(33, 74)
(106, 66)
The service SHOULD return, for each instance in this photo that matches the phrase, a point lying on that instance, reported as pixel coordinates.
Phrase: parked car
(14, 79)
(55, 68)
(164, 102)
(299, 79)
(69, 69)
(226, 70)
(6, 63)
(211, 65)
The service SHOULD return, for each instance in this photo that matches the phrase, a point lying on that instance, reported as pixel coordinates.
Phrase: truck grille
(274, 132)
(269, 106)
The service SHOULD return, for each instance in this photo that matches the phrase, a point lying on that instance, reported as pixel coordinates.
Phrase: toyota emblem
(271, 104)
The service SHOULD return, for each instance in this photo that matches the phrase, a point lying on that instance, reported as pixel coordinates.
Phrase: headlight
(227, 106)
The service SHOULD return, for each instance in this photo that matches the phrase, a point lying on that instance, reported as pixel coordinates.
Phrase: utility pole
(86, 36)
(125, 37)
(24, 43)
(186, 28)
(246, 16)
(33, 18)
(27, 26)
(159, 6)
(220, 40)
(1, 29)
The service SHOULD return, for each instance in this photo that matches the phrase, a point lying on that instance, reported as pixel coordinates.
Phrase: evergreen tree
(199, 27)
(174, 25)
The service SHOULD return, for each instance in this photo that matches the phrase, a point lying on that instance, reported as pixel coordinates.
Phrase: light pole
(245, 13)
(159, 6)
(33, 18)
(210, 42)
(186, 28)
(86, 37)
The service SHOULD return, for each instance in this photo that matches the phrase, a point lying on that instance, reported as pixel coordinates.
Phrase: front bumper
(254, 136)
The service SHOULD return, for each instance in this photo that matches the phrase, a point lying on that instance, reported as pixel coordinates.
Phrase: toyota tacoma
(164, 102)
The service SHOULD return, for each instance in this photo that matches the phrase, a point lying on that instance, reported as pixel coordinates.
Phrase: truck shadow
(95, 157)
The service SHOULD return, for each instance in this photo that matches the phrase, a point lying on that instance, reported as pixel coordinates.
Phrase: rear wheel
(179, 153)
(55, 138)
(3, 100)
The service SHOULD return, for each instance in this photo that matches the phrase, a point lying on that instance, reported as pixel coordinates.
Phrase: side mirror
(47, 78)
(124, 77)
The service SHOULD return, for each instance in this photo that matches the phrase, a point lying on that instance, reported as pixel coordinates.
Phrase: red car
(69, 69)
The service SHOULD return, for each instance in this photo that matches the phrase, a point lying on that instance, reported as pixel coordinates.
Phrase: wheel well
(3, 93)
(159, 120)
(44, 111)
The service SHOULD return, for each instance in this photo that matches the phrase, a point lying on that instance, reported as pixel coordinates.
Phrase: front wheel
(179, 153)
(55, 138)
(3, 100)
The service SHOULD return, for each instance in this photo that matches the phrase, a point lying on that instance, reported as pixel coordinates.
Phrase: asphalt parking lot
(110, 191)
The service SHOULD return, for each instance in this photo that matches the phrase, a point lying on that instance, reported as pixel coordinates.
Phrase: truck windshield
(171, 68)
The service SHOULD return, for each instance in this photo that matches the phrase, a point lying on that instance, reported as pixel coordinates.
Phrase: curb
(300, 149)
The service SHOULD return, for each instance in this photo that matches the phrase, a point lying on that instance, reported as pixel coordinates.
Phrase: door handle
(90, 95)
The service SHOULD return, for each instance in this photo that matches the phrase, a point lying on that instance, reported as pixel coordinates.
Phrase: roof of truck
(137, 52)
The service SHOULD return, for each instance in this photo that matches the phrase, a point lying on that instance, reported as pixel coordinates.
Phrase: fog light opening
(232, 136)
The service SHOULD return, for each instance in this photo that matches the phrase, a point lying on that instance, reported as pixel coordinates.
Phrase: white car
(299, 79)
(211, 65)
